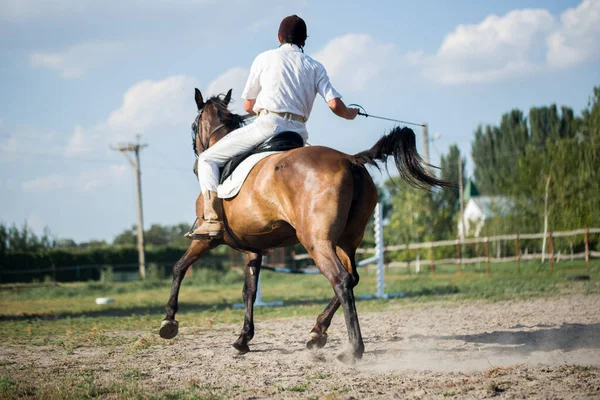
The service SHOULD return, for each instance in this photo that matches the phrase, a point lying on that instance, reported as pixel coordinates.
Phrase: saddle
(282, 142)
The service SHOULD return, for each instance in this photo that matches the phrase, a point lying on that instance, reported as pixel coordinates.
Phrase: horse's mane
(229, 119)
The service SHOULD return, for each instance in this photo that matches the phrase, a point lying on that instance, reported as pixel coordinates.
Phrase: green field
(66, 314)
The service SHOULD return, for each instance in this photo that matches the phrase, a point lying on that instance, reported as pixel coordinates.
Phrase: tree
(412, 218)
(573, 163)
(563, 160)
(156, 235)
(446, 201)
(127, 237)
(496, 149)
(24, 239)
(590, 124)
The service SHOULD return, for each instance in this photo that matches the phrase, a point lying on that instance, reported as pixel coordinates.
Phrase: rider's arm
(249, 106)
(339, 108)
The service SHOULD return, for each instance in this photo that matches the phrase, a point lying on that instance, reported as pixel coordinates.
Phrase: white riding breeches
(240, 141)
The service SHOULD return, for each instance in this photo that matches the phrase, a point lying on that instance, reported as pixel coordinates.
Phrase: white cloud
(44, 183)
(496, 48)
(352, 60)
(77, 143)
(414, 57)
(234, 78)
(97, 179)
(519, 43)
(85, 181)
(77, 60)
(148, 106)
(578, 39)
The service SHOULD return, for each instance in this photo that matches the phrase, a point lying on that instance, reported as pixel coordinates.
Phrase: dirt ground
(540, 348)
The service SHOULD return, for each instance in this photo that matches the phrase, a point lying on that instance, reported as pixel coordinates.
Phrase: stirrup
(208, 236)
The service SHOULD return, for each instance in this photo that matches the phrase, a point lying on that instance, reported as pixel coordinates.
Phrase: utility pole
(135, 148)
(426, 142)
(461, 197)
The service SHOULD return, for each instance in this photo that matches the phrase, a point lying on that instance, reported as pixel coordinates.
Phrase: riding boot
(212, 226)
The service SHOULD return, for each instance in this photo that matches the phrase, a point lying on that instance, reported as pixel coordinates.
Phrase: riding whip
(364, 114)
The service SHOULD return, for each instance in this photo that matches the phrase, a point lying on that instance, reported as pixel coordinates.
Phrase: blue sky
(80, 75)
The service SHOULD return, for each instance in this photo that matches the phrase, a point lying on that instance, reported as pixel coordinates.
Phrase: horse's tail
(401, 144)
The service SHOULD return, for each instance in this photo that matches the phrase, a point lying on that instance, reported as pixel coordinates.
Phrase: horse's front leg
(253, 264)
(169, 326)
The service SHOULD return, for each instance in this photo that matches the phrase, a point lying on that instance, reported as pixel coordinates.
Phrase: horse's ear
(227, 98)
(199, 99)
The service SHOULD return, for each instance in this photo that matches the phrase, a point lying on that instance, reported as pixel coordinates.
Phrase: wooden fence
(458, 244)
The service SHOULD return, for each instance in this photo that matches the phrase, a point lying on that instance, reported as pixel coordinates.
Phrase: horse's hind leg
(169, 326)
(254, 262)
(318, 334)
(341, 280)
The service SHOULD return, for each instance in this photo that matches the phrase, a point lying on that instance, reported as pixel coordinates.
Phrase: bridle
(196, 130)
(196, 126)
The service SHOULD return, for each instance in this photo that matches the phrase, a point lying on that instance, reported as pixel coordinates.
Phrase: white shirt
(287, 80)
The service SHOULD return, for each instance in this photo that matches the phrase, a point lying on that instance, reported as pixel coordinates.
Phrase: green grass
(67, 317)
(296, 388)
(84, 384)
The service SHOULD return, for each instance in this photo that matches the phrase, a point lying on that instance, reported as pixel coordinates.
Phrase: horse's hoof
(168, 329)
(317, 340)
(242, 348)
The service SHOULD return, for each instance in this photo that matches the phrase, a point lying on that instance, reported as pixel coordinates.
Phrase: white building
(482, 208)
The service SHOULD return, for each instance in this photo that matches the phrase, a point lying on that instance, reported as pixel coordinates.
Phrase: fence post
(487, 256)
(551, 248)
(587, 247)
(431, 264)
(458, 259)
(518, 253)
(379, 250)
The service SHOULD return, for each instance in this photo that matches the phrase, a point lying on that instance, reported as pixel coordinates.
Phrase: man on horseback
(281, 90)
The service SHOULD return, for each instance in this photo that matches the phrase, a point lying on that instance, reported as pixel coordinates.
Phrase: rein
(196, 130)
(205, 145)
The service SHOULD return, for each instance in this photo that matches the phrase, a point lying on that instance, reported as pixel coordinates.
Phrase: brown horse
(317, 196)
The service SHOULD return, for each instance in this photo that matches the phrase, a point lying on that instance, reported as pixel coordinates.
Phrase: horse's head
(213, 121)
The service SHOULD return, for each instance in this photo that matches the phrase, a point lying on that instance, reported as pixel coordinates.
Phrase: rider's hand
(351, 113)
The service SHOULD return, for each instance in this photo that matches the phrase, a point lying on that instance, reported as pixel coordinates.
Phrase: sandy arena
(540, 348)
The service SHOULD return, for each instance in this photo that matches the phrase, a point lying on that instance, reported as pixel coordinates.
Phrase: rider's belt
(284, 115)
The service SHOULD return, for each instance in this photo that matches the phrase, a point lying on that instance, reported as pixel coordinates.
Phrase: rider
(281, 89)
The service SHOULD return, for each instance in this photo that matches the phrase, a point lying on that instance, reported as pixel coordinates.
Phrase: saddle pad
(232, 185)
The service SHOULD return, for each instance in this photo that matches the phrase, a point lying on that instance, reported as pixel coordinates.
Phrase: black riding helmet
(293, 30)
